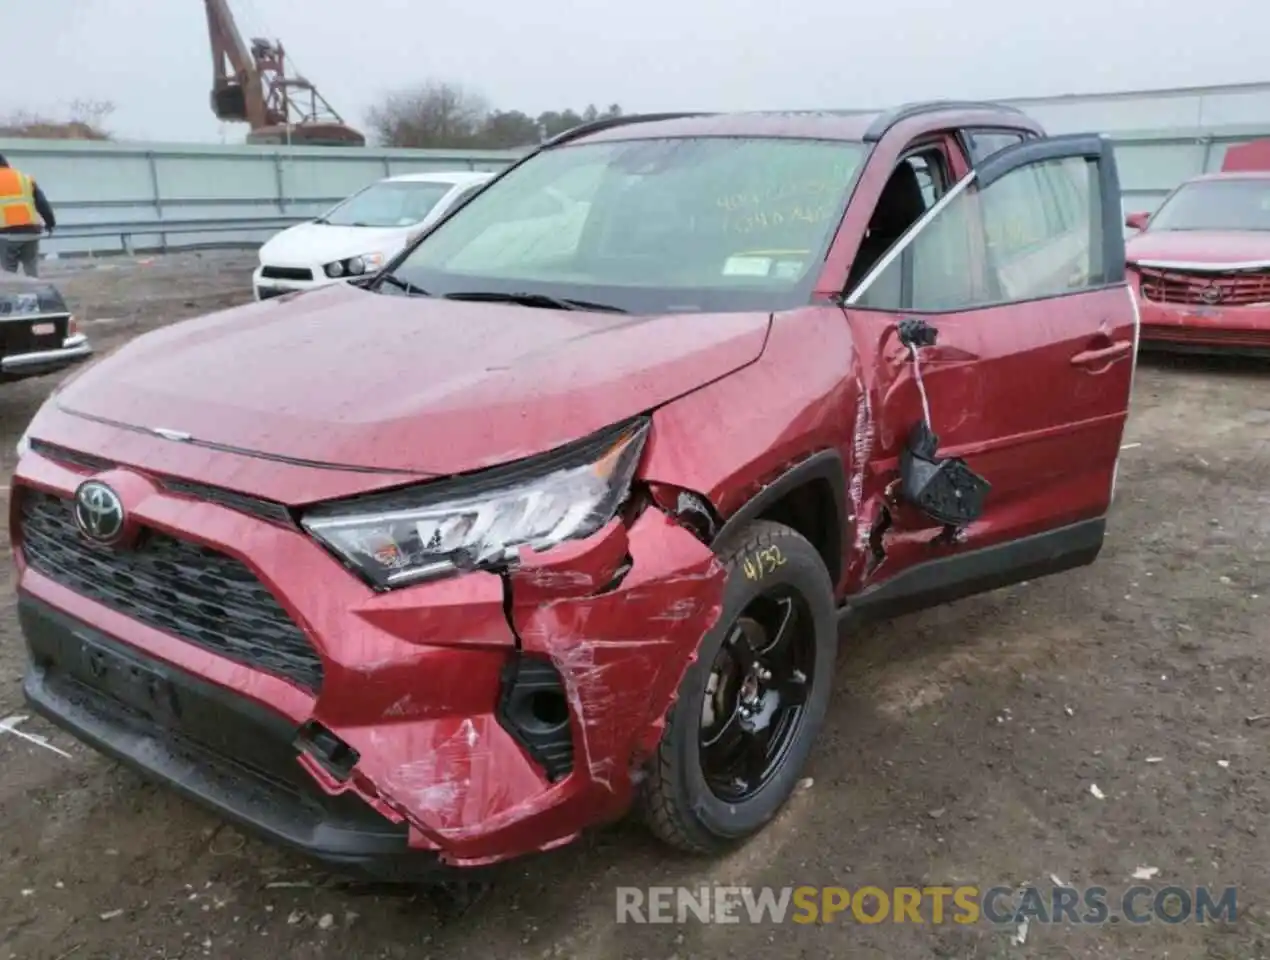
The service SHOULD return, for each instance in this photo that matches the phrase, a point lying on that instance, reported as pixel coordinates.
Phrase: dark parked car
(564, 510)
(38, 334)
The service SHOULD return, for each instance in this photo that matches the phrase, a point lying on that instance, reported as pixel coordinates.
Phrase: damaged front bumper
(1205, 330)
(458, 723)
(215, 747)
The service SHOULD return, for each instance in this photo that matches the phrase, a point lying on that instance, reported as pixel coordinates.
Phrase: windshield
(1242, 204)
(674, 225)
(388, 204)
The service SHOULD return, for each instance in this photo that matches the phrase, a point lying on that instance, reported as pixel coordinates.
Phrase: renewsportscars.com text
(926, 905)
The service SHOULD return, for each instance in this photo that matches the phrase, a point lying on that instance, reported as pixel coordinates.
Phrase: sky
(152, 60)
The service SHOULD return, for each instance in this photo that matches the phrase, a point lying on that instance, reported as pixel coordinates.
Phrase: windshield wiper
(405, 286)
(533, 300)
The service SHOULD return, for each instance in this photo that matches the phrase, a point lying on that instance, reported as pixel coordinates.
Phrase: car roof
(799, 124)
(441, 176)
(846, 125)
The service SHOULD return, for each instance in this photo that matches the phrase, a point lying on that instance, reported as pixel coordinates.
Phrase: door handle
(1087, 358)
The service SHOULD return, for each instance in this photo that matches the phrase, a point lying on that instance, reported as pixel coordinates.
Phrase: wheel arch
(810, 497)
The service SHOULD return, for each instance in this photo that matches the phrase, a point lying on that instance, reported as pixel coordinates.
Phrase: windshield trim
(803, 294)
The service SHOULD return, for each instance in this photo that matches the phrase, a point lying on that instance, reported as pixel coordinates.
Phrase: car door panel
(1029, 378)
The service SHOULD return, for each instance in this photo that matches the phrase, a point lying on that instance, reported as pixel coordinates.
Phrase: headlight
(366, 263)
(24, 443)
(355, 266)
(483, 520)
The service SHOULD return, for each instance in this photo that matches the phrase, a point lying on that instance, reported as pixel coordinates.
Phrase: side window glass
(984, 143)
(936, 270)
(1054, 253)
(1029, 235)
(1022, 210)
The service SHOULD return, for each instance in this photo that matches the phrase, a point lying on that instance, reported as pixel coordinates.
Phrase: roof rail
(607, 123)
(885, 121)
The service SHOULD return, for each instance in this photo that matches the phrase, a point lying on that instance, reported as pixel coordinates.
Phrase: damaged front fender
(617, 618)
(622, 652)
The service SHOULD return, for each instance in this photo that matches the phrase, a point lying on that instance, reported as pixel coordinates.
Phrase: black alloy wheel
(751, 705)
(756, 694)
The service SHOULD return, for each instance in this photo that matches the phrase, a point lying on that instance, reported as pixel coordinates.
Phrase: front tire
(750, 707)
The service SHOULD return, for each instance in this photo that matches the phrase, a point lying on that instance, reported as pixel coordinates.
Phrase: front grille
(264, 509)
(1206, 289)
(287, 273)
(189, 591)
(72, 458)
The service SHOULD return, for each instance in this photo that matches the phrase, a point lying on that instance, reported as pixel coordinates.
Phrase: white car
(361, 233)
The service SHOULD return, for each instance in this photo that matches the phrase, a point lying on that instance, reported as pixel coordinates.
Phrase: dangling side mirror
(946, 490)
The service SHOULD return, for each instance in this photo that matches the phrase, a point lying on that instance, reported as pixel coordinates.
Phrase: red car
(564, 510)
(1201, 266)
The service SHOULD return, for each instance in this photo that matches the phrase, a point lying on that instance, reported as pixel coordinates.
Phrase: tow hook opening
(334, 755)
(533, 707)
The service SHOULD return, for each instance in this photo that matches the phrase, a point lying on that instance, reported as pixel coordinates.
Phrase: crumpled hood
(1200, 246)
(318, 243)
(342, 376)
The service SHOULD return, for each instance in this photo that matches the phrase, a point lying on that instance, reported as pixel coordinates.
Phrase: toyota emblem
(99, 512)
(1211, 293)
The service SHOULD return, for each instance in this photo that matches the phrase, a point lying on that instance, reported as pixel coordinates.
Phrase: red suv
(565, 509)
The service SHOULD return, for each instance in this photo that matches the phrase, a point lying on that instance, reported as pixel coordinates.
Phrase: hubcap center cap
(753, 689)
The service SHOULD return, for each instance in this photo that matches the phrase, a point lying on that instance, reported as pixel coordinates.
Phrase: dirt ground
(962, 747)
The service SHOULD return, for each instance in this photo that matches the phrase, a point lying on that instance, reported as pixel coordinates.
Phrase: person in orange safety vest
(25, 213)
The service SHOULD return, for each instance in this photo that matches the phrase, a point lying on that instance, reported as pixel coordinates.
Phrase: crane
(251, 85)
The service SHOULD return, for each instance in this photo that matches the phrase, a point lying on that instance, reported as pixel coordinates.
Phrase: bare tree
(506, 129)
(434, 114)
(440, 114)
(83, 120)
(558, 121)
(91, 113)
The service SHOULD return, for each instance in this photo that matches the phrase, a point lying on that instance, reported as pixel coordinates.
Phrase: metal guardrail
(111, 197)
(153, 196)
(128, 231)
